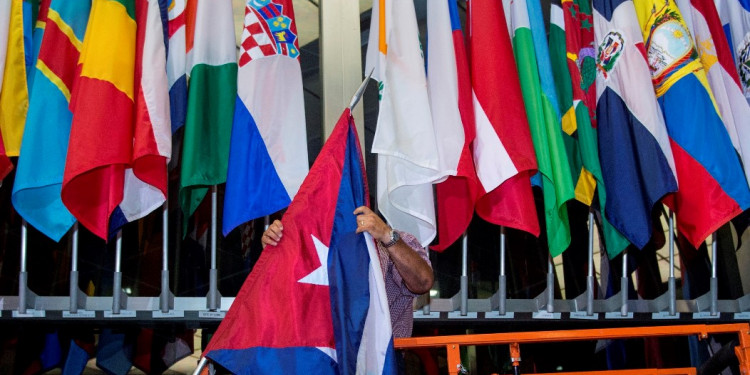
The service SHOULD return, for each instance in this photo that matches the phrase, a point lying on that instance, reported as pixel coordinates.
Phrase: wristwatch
(394, 238)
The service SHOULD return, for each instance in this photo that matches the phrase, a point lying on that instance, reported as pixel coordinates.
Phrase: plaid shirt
(400, 298)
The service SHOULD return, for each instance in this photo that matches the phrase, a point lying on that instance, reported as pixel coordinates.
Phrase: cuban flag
(268, 148)
(634, 150)
(704, 155)
(306, 307)
(705, 26)
(449, 89)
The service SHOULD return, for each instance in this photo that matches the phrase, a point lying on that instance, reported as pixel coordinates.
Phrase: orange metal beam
(703, 330)
(645, 371)
(454, 359)
(454, 343)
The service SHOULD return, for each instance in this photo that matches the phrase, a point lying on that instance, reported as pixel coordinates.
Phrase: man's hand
(272, 235)
(372, 223)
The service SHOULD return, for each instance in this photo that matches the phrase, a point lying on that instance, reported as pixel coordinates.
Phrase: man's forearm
(414, 270)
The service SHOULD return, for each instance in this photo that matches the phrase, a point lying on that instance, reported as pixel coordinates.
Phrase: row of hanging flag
(90, 104)
(642, 101)
(626, 99)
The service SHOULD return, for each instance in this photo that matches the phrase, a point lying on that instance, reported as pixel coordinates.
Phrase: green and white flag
(540, 100)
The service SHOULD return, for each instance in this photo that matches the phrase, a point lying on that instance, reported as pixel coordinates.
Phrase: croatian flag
(634, 150)
(449, 88)
(307, 306)
(268, 149)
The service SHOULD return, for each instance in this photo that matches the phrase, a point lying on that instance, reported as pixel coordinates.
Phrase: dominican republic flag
(307, 307)
(406, 139)
(503, 153)
(704, 23)
(634, 149)
(36, 190)
(449, 87)
(713, 189)
(268, 149)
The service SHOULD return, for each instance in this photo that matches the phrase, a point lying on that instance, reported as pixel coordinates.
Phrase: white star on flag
(319, 276)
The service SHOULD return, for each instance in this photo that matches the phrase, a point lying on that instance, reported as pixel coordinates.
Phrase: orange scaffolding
(453, 343)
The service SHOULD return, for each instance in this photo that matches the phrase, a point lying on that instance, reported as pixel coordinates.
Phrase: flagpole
(201, 365)
(624, 284)
(502, 292)
(550, 284)
(590, 276)
(714, 280)
(671, 282)
(213, 304)
(117, 283)
(464, 275)
(22, 276)
(165, 292)
(74, 270)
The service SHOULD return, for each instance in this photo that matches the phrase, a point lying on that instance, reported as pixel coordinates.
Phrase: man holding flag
(406, 266)
(306, 304)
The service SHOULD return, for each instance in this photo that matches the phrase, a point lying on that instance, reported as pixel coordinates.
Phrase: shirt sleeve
(422, 251)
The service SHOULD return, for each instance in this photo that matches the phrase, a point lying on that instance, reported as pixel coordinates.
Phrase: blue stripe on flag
(728, 34)
(266, 194)
(178, 102)
(260, 360)
(348, 263)
(455, 19)
(607, 7)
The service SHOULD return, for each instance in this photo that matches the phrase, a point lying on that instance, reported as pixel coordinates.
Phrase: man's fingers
(362, 210)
